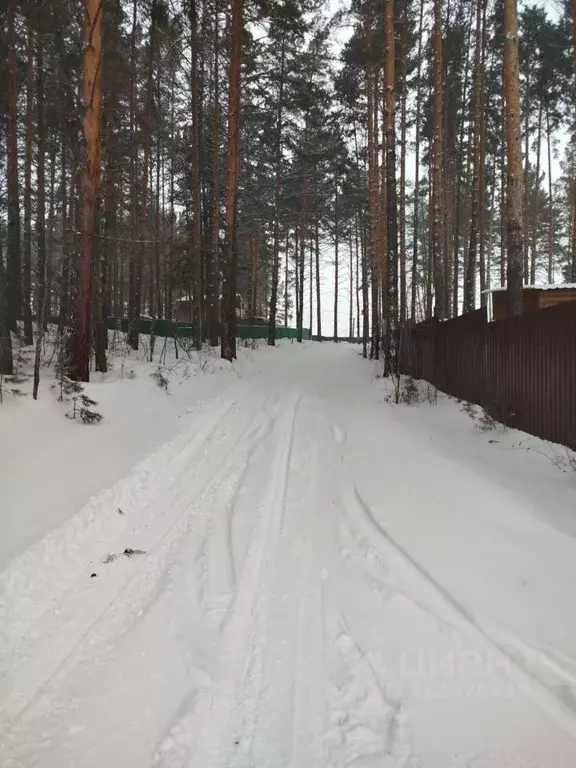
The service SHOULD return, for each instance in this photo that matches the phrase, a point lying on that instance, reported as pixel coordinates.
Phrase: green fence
(261, 332)
(149, 326)
(171, 329)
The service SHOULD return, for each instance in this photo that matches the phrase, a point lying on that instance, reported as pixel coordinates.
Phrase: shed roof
(553, 287)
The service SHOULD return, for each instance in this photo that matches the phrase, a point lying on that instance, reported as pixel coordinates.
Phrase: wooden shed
(534, 297)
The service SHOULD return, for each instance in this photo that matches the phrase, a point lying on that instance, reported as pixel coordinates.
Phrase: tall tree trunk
(461, 180)
(66, 208)
(361, 238)
(534, 200)
(228, 347)
(301, 259)
(486, 249)
(374, 217)
(286, 277)
(390, 359)
(429, 281)
(277, 192)
(215, 265)
(402, 203)
(91, 96)
(169, 302)
(105, 248)
(40, 214)
(146, 185)
(573, 243)
(515, 223)
(336, 263)
(503, 200)
(108, 250)
(27, 264)
(110, 217)
(351, 287)
(447, 231)
(13, 266)
(6, 362)
(254, 277)
(311, 286)
(551, 227)
(196, 192)
(357, 275)
(365, 302)
(297, 271)
(158, 245)
(437, 176)
(471, 263)
(318, 292)
(382, 208)
(573, 238)
(100, 280)
(134, 289)
(484, 268)
(417, 167)
(526, 188)
(51, 211)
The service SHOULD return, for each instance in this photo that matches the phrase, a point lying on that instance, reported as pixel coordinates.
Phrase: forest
(224, 153)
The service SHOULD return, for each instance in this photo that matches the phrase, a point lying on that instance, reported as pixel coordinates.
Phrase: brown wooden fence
(521, 369)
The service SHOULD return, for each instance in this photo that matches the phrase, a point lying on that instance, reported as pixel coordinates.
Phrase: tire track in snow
(175, 745)
(283, 724)
(308, 706)
(367, 721)
(553, 669)
(135, 584)
(277, 703)
(33, 582)
(236, 692)
(221, 567)
(449, 611)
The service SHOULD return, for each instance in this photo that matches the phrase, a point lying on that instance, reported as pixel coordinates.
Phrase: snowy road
(314, 584)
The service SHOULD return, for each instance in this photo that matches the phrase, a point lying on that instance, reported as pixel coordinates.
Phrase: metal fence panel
(522, 369)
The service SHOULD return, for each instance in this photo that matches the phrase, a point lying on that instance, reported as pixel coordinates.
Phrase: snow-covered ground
(272, 566)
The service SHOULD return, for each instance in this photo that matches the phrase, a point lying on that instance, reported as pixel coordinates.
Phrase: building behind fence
(522, 369)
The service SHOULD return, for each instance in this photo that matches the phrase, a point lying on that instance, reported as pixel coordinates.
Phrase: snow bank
(50, 466)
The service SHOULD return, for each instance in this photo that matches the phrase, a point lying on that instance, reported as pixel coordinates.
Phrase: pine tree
(437, 171)
(91, 100)
(514, 213)
(228, 347)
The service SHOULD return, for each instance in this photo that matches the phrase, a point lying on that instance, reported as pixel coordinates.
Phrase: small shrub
(24, 357)
(160, 378)
(14, 391)
(72, 391)
(487, 423)
(493, 417)
(81, 409)
(487, 419)
(187, 345)
(67, 386)
(562, 457)
(409, 391)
